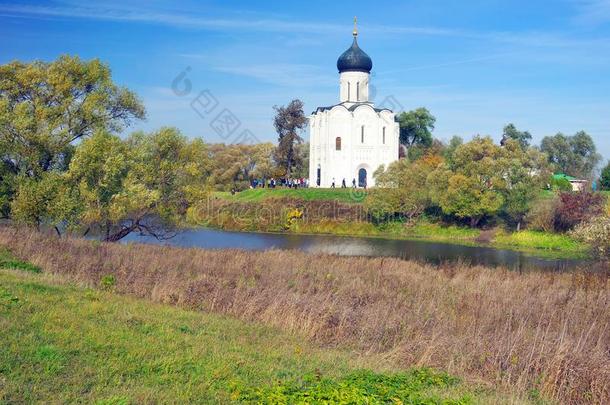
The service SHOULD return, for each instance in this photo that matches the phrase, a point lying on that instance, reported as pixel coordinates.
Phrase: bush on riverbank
(538, 332)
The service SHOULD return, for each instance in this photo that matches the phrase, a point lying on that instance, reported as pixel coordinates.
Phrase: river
(423, 251)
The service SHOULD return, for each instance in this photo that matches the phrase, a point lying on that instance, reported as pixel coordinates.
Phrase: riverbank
(324, 211)
(536, 334)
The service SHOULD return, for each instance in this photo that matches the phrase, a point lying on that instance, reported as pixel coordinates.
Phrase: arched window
(362, 134)
(383, 136)
(357, 91)
(338, 143)
(348, 91)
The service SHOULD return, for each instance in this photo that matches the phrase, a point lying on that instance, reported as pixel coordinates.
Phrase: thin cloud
(113, 13)
(282, 74)
(593, 11)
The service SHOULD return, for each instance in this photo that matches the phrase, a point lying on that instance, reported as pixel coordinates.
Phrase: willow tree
(114, 187)
(45, 107)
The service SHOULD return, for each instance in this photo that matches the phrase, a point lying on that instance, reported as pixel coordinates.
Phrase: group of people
(283, 182)
(344, 185)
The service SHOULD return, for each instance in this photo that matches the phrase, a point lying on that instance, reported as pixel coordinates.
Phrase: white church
(351, 139)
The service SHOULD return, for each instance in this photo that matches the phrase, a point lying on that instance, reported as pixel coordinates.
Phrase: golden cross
(355, 26)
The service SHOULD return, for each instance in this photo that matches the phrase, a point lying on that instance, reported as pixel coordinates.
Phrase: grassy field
(345, 195)
(535, 334)
(68, 344)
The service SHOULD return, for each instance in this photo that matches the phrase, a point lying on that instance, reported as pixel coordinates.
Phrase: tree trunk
(115, 237)
(474, 221)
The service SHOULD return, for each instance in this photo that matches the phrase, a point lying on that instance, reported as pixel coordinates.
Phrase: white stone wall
(326, 126)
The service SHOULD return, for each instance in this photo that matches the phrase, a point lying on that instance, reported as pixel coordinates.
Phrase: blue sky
(477, 65)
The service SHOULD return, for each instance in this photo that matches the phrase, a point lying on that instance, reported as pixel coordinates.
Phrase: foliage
(524, 171)
(235, 166)
(541, 217)
(522, 137)
(450, 149)
(358, 388)
(574, 208)
(301, 168)
(107, 282)
(402, 188)
(288, 122)
(48, 200)
(595, 232)
(561, 184)
(479, 179)
(144, 184)
(44, 107)
(470, 189)
(483, 179)
(292, 216)
(573, 155)
(604, 178)
(416, 127)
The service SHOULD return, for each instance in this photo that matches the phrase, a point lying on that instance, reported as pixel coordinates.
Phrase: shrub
(561, 184)
(575, 208)
(596, 232)
(107, 282)
(542, 215)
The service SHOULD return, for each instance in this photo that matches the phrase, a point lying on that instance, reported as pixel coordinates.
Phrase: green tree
(401, 189)
(573, 155)
(472, 187)
(525, 171)
(484, 179)
(114, 187)
(511, 132)
(289, 121)
(302, 160)
(416, 127)
(454, 143)
(46, 201)
(44, 107)
(235, 166)
(604, 178)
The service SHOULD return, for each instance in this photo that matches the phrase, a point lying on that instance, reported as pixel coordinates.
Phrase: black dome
(354, 60)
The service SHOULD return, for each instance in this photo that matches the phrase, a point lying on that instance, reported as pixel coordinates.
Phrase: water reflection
(429, 252)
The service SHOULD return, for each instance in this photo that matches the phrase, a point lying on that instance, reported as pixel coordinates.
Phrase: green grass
(69, 344)
(535, 240)
(346, 195)
(7, 261)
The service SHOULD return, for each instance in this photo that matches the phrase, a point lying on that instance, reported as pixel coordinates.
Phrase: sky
(476, 65)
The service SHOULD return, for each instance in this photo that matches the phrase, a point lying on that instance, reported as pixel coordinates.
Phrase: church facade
(351, 139)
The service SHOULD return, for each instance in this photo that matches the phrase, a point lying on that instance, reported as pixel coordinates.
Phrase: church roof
(350, 108)
(354, 59)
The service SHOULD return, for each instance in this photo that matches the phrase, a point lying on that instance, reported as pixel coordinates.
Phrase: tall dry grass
(539, 331)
